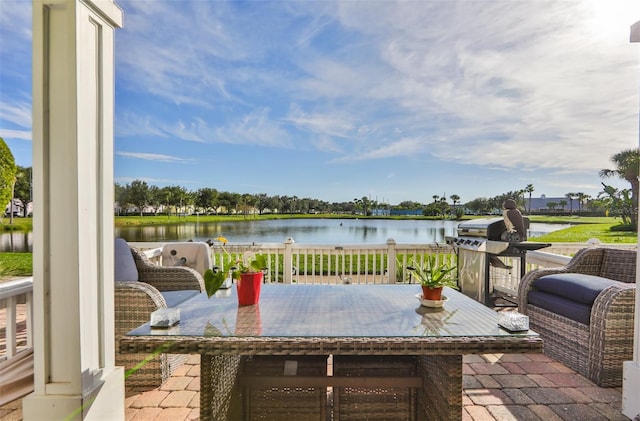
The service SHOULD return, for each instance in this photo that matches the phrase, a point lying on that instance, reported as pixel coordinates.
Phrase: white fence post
(391, 261)
(287, 265)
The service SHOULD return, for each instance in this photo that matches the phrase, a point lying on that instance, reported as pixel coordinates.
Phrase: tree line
(139, 197)
(16, 182)
(610, 201)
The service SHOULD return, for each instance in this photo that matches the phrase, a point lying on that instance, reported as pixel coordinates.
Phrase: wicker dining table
(388, 352)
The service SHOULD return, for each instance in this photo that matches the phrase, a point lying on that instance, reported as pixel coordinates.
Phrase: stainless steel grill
(486, 264)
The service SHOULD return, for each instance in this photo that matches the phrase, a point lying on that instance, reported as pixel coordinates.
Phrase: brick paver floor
(497, 387)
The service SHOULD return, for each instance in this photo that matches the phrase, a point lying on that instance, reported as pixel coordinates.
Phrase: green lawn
(583, 232)
(16, 264)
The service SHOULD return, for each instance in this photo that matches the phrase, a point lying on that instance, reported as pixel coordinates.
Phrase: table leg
(440, 398)
(220, 397)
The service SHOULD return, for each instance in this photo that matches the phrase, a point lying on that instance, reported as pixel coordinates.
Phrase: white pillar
(73, 102)
(631, 369)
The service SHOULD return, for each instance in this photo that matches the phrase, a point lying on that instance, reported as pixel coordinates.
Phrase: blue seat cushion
(570, 309)
(573, 286)
(173, 298)
(125, 267)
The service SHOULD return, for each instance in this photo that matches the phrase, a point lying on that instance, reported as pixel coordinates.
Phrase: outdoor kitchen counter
(364, 320)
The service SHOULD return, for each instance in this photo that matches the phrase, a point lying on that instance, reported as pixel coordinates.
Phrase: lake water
(304, 231)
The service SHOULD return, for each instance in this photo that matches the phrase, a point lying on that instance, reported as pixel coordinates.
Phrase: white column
(73, 102)
(631, 369)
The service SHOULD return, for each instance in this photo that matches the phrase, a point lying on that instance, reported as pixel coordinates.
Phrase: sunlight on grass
(16, 264)
(584, 232)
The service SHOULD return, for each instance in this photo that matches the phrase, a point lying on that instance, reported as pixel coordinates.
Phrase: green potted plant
(433, 276)
(250, 266)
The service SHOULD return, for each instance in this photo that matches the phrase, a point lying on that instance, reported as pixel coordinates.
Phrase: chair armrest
(166, 278)
(611, 332)
(614, 308)
(134, 302)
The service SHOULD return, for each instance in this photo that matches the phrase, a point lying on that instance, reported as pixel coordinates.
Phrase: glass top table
(334, 313)
(345, 321)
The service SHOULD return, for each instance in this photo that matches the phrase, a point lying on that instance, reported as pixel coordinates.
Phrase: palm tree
(627, 167)
(529, 189)
(571, 196)
(562, 203)
(581, 198)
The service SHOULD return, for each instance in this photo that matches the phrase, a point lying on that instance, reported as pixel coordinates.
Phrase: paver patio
(496, 387)
(502, 387)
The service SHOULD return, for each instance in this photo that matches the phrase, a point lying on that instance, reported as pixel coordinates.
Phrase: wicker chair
(597, 349)
(135, 300)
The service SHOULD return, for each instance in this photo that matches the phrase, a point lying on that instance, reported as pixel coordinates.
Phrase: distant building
(18, 208)
(541, 204)
(380, 212)
(407, 212)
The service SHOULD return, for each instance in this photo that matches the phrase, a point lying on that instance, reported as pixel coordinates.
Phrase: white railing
(16, 296)
(349, 263)
(373, 263)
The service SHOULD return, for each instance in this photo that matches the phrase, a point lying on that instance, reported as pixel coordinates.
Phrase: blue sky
(394, 100)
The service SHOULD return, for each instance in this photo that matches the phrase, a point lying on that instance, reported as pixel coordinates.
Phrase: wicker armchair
(597, 349)
(135, 300)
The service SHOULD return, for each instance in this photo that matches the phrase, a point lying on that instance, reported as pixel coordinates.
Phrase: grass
(16, 264)
(19, 224)
(584, 232)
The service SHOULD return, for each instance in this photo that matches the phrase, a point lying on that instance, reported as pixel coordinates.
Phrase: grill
(490, 269)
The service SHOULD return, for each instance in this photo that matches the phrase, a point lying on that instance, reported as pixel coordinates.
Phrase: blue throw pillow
(125, 266)
(574, 286)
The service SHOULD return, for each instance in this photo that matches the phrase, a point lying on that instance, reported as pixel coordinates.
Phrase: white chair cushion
(125, 266)
(196, 255)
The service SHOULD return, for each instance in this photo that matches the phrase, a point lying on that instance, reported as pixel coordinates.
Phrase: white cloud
(542, 87)
(496, 84)
(255, 128)
(18, 113)
(152, 180)
(154, 157)
(329, 124)
(15, 17)
(16, 134)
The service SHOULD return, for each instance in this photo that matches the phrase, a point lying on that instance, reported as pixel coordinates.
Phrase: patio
(496, 387)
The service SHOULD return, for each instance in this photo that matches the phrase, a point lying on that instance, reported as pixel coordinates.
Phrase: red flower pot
(249, 288)
(433, 294)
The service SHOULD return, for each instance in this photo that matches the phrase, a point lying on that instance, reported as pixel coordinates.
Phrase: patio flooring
(500, 387)
(527, 387)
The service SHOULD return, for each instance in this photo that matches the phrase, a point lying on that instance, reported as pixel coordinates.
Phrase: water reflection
(16, 242)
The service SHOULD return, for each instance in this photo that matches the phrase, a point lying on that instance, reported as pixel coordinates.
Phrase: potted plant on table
(433, 276)
(250, 268)
(251, 274)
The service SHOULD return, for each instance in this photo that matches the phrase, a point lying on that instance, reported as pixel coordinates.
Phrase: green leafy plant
(433, 274)
(251, 262)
